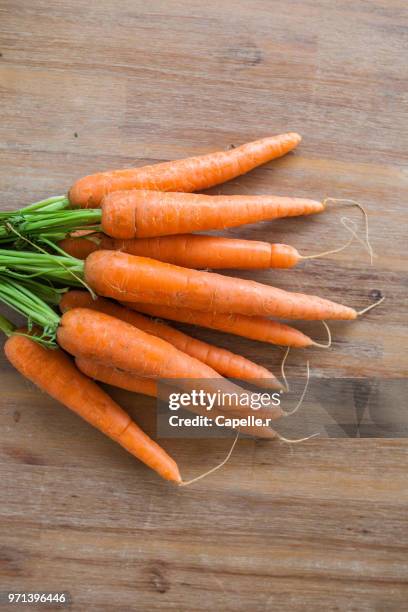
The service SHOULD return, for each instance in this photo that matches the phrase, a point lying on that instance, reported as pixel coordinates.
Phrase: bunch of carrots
(119, 252)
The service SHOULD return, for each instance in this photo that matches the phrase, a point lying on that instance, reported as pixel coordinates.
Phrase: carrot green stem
(46, 292)
(35, 224)
(6, 326)
(50, 204)
(67, 219)
(58, 268)
(18, 296)
(37, 312)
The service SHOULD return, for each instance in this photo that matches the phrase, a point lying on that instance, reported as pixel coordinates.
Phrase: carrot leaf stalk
(52, 204)
(37, 312)
(45, 291)
(37, 224)
(26, 264)
(6, 326)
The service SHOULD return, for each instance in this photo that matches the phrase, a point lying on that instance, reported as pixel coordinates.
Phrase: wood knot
(375, 294)
(23, 456)
(159, 581)
(245, 54)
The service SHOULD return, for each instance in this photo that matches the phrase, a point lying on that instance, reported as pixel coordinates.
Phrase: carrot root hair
(296, 440)
(339, 249)
(377, 303)
(186, 483)
(296, 408)
(285, 380)
(345, 220)
(302, 397)
(329, 338)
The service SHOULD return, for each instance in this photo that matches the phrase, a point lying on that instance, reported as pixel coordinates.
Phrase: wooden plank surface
(86, 86)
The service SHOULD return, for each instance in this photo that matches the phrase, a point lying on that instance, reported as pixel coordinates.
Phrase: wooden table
(322, 525)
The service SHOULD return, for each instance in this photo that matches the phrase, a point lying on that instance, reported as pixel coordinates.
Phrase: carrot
(255, 328)
(53, 372)
(105, 339)
(82, 243)
(195, 251)
(116, 378)
(222, 361)
(192, 251)
(191, 174)
(145, 214)
(139, 279)
(81, 247)
(101, 337)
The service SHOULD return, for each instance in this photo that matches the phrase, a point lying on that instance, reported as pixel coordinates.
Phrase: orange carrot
(139, 279)
(145, 214)
(196, 251)
(192, 251)
(116, 378)
(191, 174)
(80, 246)
(222, 361)
(53, 372)
(103, 338)
(97, 336)
(255, 328)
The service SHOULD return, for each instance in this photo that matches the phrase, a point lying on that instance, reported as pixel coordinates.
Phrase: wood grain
(86, 86)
